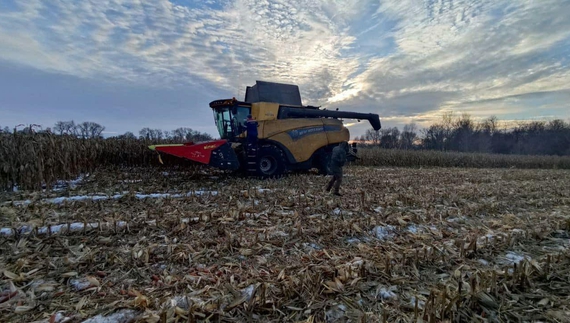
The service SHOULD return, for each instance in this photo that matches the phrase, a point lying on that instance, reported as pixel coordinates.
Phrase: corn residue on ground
(401, 245)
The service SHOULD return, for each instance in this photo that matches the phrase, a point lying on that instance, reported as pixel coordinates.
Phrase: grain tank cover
(286, 94)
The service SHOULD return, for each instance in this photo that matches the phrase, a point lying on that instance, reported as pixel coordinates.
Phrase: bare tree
(65, 127)
(181, 134)
(151, 134)
(89, 129)
(389, 138)
(128, 135)
(372, 136)
(408, 136)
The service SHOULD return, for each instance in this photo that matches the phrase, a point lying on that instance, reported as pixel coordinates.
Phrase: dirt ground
(401, 245)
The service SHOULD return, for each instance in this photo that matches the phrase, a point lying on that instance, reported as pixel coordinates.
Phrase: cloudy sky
(129, 64)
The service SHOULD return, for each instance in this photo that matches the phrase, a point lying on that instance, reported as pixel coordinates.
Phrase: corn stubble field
(402, 245)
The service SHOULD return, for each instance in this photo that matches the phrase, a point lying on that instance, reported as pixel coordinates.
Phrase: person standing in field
(338, 159)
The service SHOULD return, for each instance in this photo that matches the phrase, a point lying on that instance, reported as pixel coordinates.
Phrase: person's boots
(337, 193)
(329, 187)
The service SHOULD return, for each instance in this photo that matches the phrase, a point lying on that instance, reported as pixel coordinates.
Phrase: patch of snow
(488, 236)
(179, 301)
(60, 185)
(336, 313)
(126, 181)
(383, 232)
(80, 284)
(153, 195)
(122, 316)
(415, 229)
(356, 263)
(61, 199)
(358, 240)
(421, 303)
(387, 293)
(55, 229)
(248, 292)
(52, 229)
(312, 246)
(337, 211)
(378, 209)
(483, 262)
(213, 193)
(514, 258)
(412, 228)
(460, 219)
(59, 317)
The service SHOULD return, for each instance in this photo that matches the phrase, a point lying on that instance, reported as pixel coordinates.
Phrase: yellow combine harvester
(291, 137)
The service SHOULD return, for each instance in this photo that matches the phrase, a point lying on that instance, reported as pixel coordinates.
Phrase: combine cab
(290, 136)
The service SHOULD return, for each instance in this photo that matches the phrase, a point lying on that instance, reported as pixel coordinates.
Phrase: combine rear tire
(271, 162)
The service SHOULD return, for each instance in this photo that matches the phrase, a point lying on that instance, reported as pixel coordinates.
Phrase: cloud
(404, 59)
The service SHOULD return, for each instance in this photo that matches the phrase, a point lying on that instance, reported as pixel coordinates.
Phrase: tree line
(463, 134)
(88, 129)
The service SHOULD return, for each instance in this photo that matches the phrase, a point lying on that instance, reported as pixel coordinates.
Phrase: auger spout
(293, 112)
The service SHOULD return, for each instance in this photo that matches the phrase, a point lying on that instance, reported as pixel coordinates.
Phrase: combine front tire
(271, 162)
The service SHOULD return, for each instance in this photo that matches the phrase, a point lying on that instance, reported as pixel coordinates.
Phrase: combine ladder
(251, 159)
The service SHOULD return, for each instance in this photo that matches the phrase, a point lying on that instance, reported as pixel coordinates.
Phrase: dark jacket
(251, 126)
(338, 158)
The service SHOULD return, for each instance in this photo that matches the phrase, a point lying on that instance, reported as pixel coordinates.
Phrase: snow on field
(353, 240)
(121, 316)
(80, 284)
(421, 303)
(514, 258)
(58, 317)
(383, 232)
(55, 229)
(61, 199)
(335, 313)
(128, 181)
(311, 246)
(483, 262)
(387, 293)
(60, 185)
(418, 229)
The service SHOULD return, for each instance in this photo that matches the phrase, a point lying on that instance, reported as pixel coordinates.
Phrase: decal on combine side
(197, 155)
(210, 146)
(297, 134)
